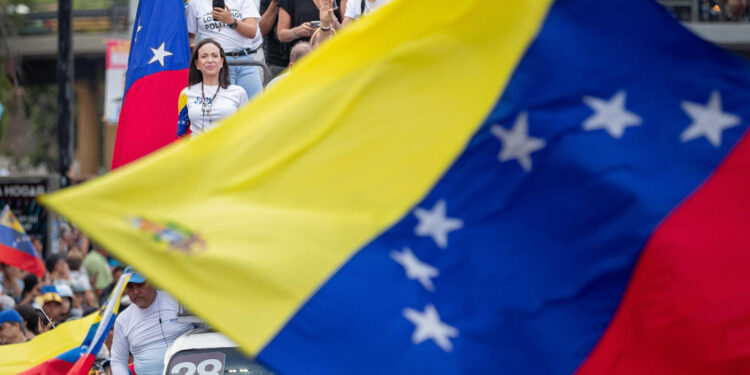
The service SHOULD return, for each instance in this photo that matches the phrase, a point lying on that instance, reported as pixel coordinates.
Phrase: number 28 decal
(211, 363)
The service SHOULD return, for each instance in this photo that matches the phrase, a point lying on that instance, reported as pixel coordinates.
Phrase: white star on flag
(516, 143)
(429, 326)
(415, 268)
(159, 54)
(708, 121)
(435, 224)
(610, 115)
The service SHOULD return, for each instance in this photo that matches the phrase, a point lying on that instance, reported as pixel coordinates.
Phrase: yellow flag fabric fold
(244, 223)
(20, 357)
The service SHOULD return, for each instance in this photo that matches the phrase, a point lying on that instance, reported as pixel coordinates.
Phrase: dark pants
(276, 69)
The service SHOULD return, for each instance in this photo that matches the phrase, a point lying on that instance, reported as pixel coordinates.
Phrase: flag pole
(65, 66)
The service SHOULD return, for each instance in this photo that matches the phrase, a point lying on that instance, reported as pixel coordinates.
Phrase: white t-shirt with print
(354, 7)
(200, 23)
(204, 118)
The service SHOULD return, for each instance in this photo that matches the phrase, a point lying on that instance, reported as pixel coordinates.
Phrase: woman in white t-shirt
(235, 28)
(209, 96)
(358, 8)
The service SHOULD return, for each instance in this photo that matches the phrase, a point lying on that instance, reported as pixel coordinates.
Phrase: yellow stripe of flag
(9, 220)
(244, 223)
(21, 357)
(182, 101)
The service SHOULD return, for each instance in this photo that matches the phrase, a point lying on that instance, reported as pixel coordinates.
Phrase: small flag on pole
(45, 347)
(16, 248)
(78, 361)
(90, 348)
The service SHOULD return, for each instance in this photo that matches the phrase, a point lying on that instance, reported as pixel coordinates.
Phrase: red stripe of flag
(83, 365)
(21, 259)
(687, 308)
(148, 118)
(49, 367)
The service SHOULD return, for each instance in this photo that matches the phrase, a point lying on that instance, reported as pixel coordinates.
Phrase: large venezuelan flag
(16, 248)
(157, 72)
(524, 187)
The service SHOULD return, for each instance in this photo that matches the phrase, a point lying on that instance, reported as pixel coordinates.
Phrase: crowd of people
(78, 280)
(234, 33)
(709, 10)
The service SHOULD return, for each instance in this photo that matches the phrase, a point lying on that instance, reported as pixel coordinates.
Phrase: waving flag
(78, 361)
(45, 347)
(15, 246)
(91, 346)
(157, 72)
(524, 187)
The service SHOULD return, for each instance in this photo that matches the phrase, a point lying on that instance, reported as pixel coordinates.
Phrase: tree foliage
(27, 126)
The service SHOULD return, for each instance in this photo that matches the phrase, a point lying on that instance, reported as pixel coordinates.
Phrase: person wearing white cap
(145, 329)
(68, 311)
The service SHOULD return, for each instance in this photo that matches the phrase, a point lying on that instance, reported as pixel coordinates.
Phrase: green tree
(27, 126)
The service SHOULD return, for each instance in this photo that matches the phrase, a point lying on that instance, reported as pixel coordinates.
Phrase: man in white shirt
(145, 329)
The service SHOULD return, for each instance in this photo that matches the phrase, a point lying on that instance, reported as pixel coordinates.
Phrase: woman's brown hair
(195, 76)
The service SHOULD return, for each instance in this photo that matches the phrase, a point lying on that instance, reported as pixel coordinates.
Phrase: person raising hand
(298, 19)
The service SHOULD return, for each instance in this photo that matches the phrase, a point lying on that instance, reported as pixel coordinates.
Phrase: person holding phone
(51, 304)
(43, 322)
(234, 25)
(327, 26)
(31, 320)
(296, 18)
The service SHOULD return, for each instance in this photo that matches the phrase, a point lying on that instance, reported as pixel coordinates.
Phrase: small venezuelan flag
(33, 357)
(15, 246)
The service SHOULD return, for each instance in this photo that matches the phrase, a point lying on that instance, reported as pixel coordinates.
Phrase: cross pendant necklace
(207, 105)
